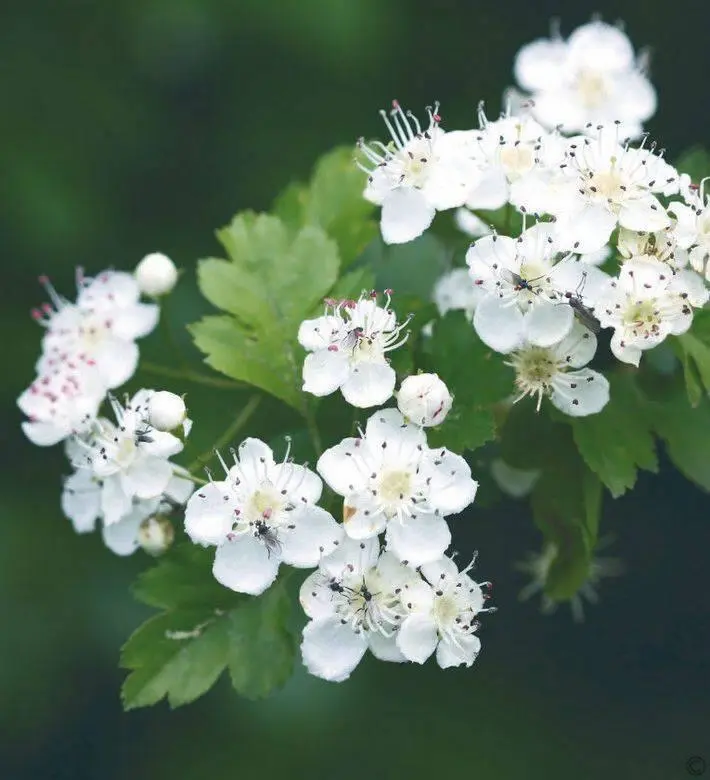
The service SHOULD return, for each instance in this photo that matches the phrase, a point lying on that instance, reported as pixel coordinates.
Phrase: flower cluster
(587, 200)
(122, 475)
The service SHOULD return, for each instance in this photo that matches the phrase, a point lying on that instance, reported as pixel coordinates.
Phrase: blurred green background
(142, 125)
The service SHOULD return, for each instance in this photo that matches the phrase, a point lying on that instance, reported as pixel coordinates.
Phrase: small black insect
(352, 338)
(582, 312)
(142, 435)
(518, 282)
(268, 537)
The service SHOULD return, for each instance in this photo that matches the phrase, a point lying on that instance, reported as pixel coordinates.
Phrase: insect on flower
(583, 313)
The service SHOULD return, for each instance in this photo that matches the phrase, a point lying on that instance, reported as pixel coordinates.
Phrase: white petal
(325, 371)
(449, 478)
(362, 518)
(179, 489)
(44, 434)
(387, 428)
(417, 637)
(115, 502)
(315, 596)
(499, 325)
(300, 483)
(116, 361)
(644, 215)
(579, 393)
(546, 323)
(147, 477)
(541, 64)
(81, 500)
(319, 333)
(135, 321)
(356, 557)
(369, 384)
(117, 289)
(441, 569)
(490, 253)
(209, 514)
(162, 445)
(578, 347)
(600, 47)
(331, 650)
(449, 654)
(406, 214)
(316, 534)
(337, 468)
(491, 192)
(256, 459)
(245, 565)
(419, 539)
(384, 648)
(585, 230)
(122, 537)
(627, 353)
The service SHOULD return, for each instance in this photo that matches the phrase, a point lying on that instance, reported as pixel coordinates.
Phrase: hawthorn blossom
(349, 347)
(128, 458)
(691, 230)
(156, 275)
(417, 174)
(661, 245)
(601, 184)
(82, 502)
(353, 602)
(262, 514)
(392, 481)
(441, 616)
(521, 298)
(647, 302)
(559, 372)
(167, 411)
(61, 402)
(100, 328)
(594, 76)
(424, 399)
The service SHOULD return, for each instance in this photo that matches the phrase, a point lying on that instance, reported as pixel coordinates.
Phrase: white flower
(647, 302)
(692, 230)
(129, 458)
(608, 184)
(348, 347)
(156, 534)
(537, 565)
(455, 290)
(441, 617)
(262, 514)
(391, 480)
(101, 327)
(156, 275)
(558, 372)
(166, 411)
(469, 224)
(661, 245)
(424, 399)
(417, 174)
(353, 602)
(61, 402)
(521, 301)
(592, 77)
(82, 499)
(505, 150)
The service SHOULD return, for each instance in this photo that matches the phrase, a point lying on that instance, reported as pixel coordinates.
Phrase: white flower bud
(156, 534)
(156, 275)
(424, 399)
(166, 411)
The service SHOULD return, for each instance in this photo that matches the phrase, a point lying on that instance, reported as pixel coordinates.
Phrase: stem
(238, 423)
(191, 376)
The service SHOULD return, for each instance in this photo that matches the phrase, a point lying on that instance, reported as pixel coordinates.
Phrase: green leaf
(333, 201)
(693, 350)
(180, 653)
(271, 282)
(261, 648)
(617, 441)
(686, 432)
(463, 429)
(695, 162)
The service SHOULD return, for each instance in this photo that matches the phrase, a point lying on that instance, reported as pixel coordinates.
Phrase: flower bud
(424, 399)
(156, 275)
(166, 411)
(156, 534)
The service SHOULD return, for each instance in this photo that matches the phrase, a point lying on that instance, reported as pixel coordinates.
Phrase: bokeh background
(142, 125)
